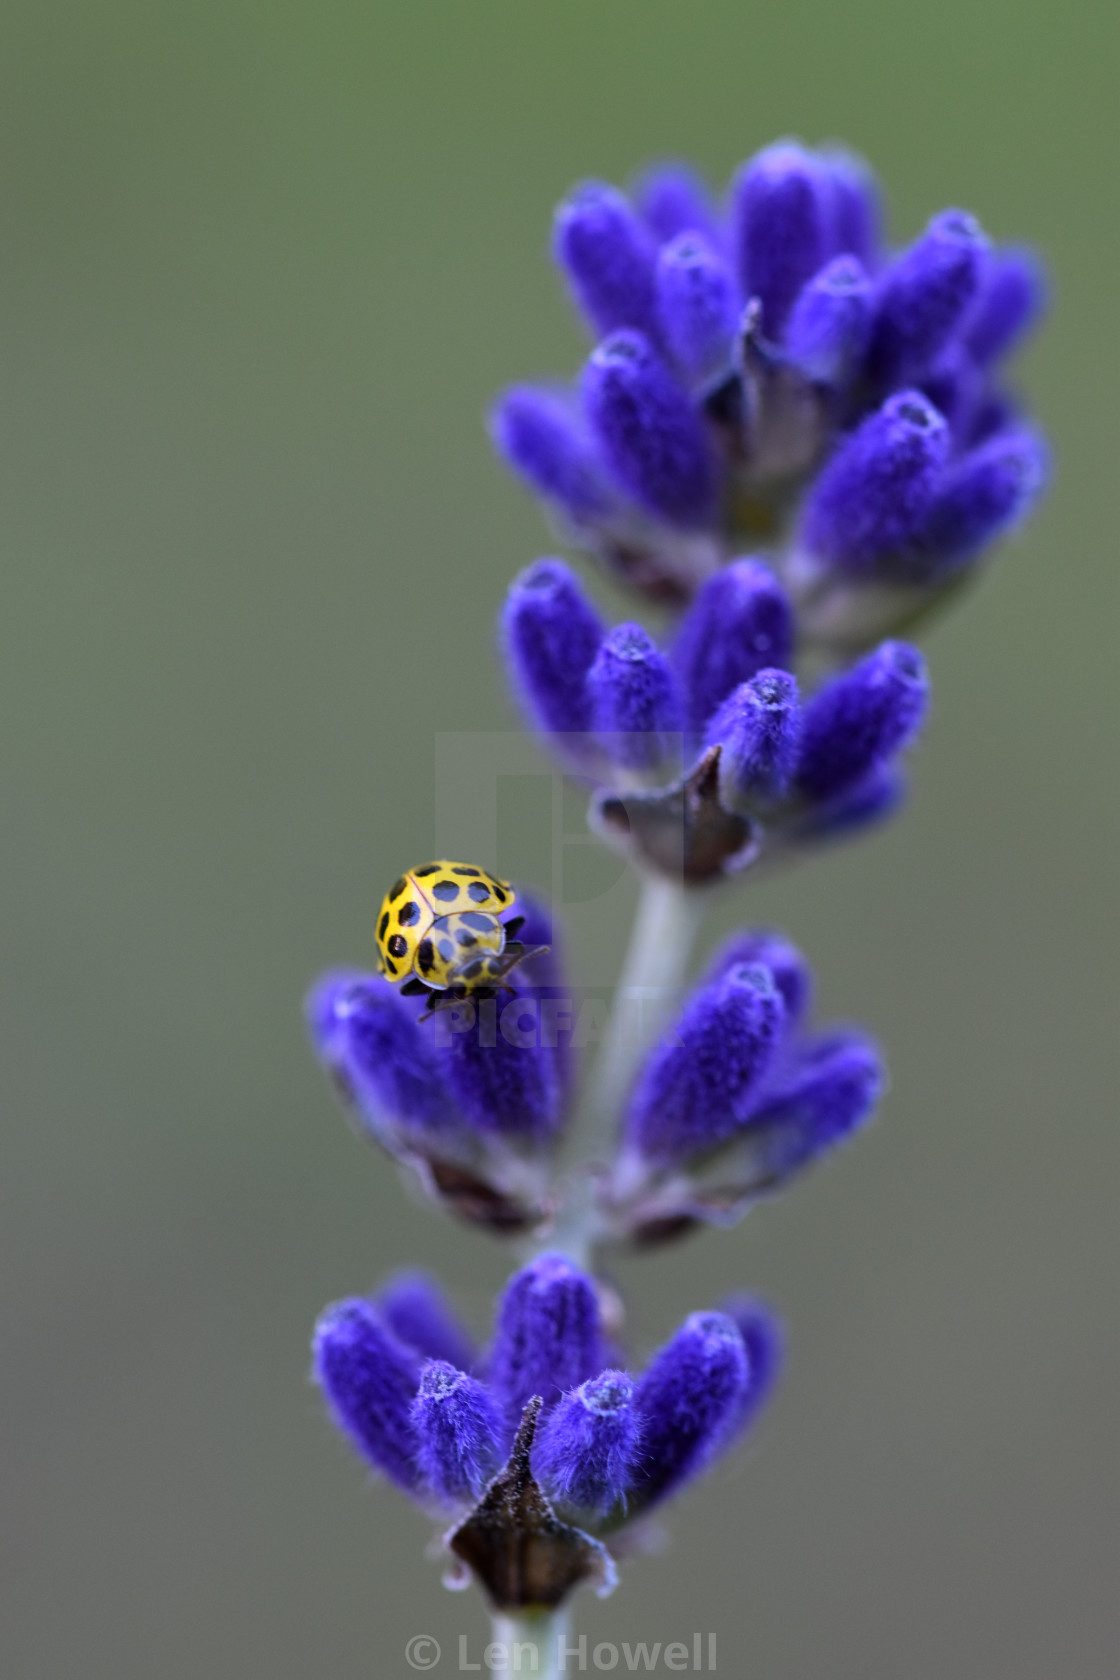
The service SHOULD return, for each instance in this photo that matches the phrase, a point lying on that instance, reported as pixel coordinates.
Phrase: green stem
(661, 942)
(531, 1642)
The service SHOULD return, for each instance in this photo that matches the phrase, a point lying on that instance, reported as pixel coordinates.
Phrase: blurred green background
(263, 267)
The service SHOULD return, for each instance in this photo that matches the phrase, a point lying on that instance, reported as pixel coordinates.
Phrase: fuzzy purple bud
(500, 1067)
(698, 1089)
(740, 623)
(369, 1380)
(788, 969)
(608, 257)
(588, 1447)
(828, 328)
(986, 493)
(672, 199)
(923, 296)
(650, 435)
(764, 1342)
(758, 728)
(418, 1313)
(856, 216)
(698, 304)
(458, 1431)
(860, 720)
(548, 1337)
(781, 227)
(688, 1399)
(830, 1093)
(551, 634)
(1012, 296)
(384, 1063)
(542, 436)
(635, 702)
(873, 498)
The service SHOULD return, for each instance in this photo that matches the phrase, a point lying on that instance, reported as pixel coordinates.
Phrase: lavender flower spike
(687, 1400)
(861, 720)
(548, 1336)
(696, 1090)
(458, 1431)
(588, 1449)
(650, 436)
(369, 1379)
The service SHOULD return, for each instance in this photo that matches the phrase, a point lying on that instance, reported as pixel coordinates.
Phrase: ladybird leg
(413, 988)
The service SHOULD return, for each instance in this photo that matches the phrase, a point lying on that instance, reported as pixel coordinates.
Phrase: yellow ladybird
(439, 930)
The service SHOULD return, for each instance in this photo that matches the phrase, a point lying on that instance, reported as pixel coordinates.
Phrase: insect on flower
(439, 927)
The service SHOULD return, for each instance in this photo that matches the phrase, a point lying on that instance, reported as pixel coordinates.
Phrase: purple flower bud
(832, 1090)
(955, 387)
(788, 969)
(588, 1447)
(855, 212)
(543, 438)
(672, 199)
(687, 1400)
(923, 296)
(869, 802)
(369, 1039)
(418, 1313)
(650, 435)
(986, 493)
(781, 226)
(458, 1432)
(758, 728)
(764, 1342)
(1012, 296)
(608, 257)
(740, 623)
(698, 304)
(698, 1089)
(635, 702)
(502, 1070)
(369, 1380)
(860, 720)
(551, 634)
(548, 1337)
(828, 328)
(872, 499)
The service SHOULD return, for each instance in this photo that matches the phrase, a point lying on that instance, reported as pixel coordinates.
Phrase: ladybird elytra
(441, 918)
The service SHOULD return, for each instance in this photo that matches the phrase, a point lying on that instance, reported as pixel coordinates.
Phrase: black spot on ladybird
(408, 913)
(466, 940)
(472, 970)
(398, 945)
(500, 893)
(465, 869)
(425, 956)
(447, 890)
(397, 887)
(390, 967)
(428, 869)
(383, 924)
(479, 891)
(476, 920)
